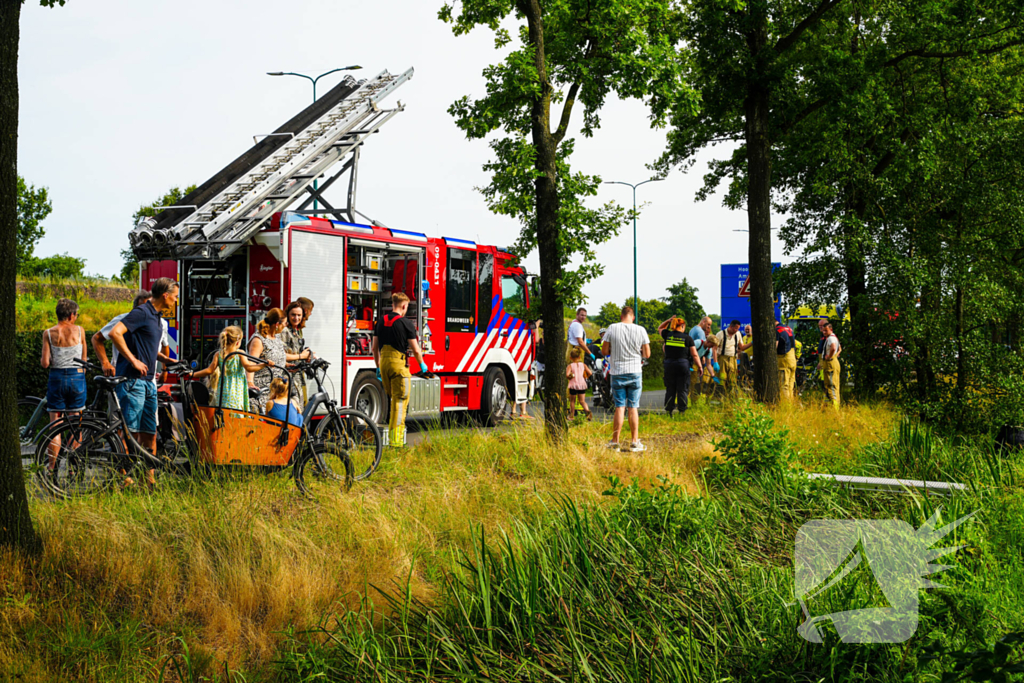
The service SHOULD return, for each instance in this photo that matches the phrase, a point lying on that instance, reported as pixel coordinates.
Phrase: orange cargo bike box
(227, 436)
(235, 437)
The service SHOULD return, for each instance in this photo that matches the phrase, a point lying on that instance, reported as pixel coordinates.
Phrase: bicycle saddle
(109, 382)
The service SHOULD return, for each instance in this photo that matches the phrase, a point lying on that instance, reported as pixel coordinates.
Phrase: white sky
(121, 100)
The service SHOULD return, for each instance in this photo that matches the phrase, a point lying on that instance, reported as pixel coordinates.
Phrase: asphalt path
(418, 432)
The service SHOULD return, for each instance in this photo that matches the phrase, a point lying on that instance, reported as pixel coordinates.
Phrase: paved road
(650, 401)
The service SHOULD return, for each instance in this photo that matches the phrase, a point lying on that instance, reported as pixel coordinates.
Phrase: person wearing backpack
(829, 363)
(785, 349)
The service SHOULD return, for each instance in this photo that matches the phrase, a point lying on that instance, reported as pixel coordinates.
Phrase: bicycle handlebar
(87, 364)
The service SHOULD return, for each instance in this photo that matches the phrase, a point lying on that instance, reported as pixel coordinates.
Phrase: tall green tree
(130, 266)
(682, 301)
(746, 59)
(903, 86)
(569, 55)
(805, 87)
(610, 313)
(652, 313)
(15, 523)
(33, 207)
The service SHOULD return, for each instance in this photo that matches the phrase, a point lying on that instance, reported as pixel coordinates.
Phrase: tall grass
(603, 595)
(33, 313)
(487, 554)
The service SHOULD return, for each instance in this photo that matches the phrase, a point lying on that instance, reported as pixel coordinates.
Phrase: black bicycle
(79, 454)
(347, 428)
(33, 418)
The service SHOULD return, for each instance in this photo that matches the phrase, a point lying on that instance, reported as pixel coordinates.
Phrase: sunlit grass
(33, 313)
(228, 567)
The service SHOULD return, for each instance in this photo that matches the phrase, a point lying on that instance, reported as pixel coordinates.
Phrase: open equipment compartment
(394, 268)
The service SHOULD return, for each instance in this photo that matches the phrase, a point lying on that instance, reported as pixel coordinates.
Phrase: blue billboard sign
(736, 293)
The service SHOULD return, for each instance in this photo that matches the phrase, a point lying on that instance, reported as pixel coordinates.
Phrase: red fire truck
(237, 251)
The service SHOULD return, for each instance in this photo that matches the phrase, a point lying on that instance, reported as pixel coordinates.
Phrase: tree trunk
(555, 382)
(860, 312)
(15, 523)
(759, 221)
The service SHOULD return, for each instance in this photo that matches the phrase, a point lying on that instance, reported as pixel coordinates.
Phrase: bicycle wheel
(75, 457)
(355, 433)
(324, 467)
(32, 419)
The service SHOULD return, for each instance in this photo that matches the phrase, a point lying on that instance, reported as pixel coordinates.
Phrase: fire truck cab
(467, 301)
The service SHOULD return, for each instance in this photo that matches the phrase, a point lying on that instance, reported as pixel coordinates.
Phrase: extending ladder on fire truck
(222, 215)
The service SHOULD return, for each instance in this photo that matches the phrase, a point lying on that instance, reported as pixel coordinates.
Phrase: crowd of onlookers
(141, 346)
(694, 361)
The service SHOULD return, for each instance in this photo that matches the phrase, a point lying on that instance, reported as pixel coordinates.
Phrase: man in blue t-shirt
(137, 339)
(699, 335)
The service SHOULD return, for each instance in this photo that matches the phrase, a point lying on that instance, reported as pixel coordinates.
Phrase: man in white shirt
(625, 345)
(577, 335)
(730, 344)
(829, 363)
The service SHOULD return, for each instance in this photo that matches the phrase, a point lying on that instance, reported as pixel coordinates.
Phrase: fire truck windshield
(513, 294)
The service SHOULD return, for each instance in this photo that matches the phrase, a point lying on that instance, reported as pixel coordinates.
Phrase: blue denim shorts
(626, 390)
(65, 390)
(138, 403)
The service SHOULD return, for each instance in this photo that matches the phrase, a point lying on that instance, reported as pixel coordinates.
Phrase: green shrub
(659, 513)
(753, 444)
(656, 365)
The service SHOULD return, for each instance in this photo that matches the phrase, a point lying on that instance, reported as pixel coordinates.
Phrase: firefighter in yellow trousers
(785, 348)
(393, 337)
(829, 363)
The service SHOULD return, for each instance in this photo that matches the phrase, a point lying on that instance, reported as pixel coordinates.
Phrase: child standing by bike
(230, 372)
(578, 372)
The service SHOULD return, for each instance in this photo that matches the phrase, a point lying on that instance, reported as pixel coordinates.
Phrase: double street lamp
(636, 302)
(313, 80)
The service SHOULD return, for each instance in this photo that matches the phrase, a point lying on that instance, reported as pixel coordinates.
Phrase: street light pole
(636, 302)
(313, 80)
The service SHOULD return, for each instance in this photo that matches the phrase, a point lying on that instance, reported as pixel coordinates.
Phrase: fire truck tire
(495, 403)
(368, 397)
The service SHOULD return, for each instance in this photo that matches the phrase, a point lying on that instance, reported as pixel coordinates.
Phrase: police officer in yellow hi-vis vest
(393, 337)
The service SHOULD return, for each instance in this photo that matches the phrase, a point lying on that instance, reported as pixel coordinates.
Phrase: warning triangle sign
(745, 288)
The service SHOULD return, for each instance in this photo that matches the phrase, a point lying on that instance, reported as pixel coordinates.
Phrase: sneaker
(613, 445)
(636, 447)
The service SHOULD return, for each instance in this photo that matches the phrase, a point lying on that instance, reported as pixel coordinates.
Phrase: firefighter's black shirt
(395, 331)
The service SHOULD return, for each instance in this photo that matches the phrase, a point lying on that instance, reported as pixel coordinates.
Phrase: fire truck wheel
(368, 397)
(495, 404)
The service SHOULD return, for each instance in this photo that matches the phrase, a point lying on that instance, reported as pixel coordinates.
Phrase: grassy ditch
(492, 556)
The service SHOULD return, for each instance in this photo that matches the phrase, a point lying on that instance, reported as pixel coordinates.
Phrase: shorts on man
(138, 403)
(626, 390)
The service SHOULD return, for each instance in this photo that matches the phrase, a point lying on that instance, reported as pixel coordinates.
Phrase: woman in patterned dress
(267, 345)
(228, 377)
(295, 344)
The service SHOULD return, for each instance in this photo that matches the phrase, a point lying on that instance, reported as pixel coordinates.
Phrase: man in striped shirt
(626, 345)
